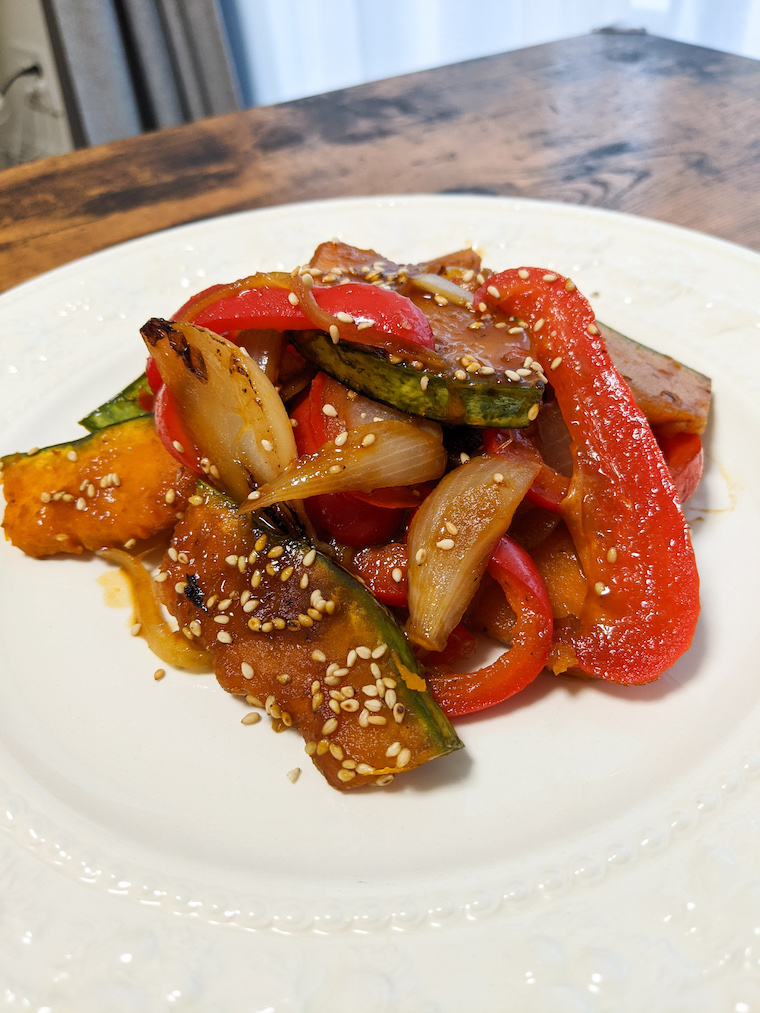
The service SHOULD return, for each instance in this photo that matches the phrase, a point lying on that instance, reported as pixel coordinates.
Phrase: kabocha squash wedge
(103, 490)
(288, 627)
(429, 388)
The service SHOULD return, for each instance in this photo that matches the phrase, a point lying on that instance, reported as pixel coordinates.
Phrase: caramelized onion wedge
(453, 536)
(364, 459)
(227, 404)
(168, 645)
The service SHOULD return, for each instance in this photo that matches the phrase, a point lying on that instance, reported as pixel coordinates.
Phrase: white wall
(303, 47)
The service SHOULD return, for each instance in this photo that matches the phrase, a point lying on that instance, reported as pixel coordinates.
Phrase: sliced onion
(228, 405)
(453, 536)
(436, 284)
(371, 457)
(167, 644)
(265, 347)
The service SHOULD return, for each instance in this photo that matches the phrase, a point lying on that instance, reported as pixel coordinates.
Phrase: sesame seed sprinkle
(556, 362)
(447, 543)
(252, 718)
(612, 554)
(159, 674)
(533, 412)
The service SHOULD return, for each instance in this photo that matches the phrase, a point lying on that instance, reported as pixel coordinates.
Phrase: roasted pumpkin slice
(290, 629)
(428, 385)
(101, 491)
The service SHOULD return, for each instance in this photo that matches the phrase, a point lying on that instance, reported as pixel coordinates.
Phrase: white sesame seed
(493, 292)
(464, 458)
(135, 629)
(224, 637)
(368, 440)
(592, 329)
(612, 554)
(340, 439)
(292, 298)
(424, 381)
(556, 362)
(72, 455)
(512, 374)
(329, 726)
(267, 445)
(178, 446)
(498, 478)
(345, 318)
(522, 273)
(397, 574)
(420, 556)
(334, 334)
(533, 412)
(380, 650)
(403, 757)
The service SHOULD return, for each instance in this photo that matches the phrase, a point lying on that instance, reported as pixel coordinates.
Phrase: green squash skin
(478, 401)
(122, 406)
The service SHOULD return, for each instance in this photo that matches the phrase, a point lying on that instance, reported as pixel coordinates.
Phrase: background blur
(80, 72)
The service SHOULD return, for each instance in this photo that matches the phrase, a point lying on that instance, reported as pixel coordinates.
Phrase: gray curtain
(127, 66)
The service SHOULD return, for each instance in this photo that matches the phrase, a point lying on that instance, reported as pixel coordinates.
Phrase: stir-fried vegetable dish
(357, 470)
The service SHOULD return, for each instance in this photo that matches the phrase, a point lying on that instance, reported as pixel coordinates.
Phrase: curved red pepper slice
(171, 431)
(622, 508)
(549, 487)
(465, 693)
(376, 314)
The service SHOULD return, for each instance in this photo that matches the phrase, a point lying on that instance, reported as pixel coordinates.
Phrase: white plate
(594, 848)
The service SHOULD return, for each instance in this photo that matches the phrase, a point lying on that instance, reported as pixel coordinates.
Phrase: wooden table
(617, 120)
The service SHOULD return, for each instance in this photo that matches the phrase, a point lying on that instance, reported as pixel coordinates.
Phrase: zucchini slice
(112, 485)
(122, 406)
(675, 398)
(428, 388)
(299, 636)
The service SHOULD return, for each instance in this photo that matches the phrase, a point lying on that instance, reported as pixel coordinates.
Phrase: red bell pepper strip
(376, 566)
(622, 508)
(685, 458)
(549, 487)
(465, 693)
(345, 516)
(173, 435)
(377, 315)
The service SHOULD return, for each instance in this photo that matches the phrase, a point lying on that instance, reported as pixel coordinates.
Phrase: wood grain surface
(617, 120)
